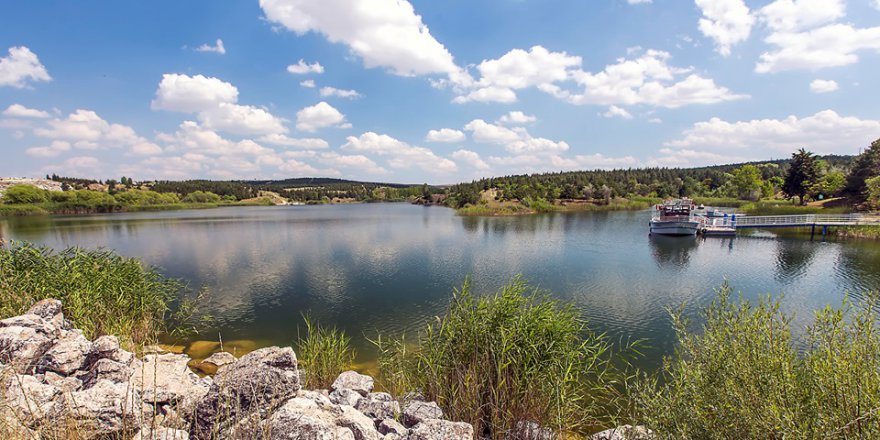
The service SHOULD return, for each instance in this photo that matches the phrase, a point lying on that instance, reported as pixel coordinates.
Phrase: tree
(866, 166)
(747, 182)
(24, 194)
(872, 186)
(803, 173)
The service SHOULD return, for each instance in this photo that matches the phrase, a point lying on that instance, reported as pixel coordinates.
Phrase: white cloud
(285, 141)
(447, 135)
(639, 2)
(20, 111)
(655, 121)
(796, 15)
(503, 95)
(217, 48)
(353, 161)
(51, 150)
(876, 4)
(86, 130)
(298, 168)
(516, 140)
(333, 91)
(309, 83)
(516, 117)
(828, 46)
(319, 116)
(20, 67)
(471, 158)
(301, 68)
(823, 132)
(727, 22)
(191, 137)
(145, 149)
(241, 119)
(536, 146)
(692, 158)
(76, 166)
(384, 33)
(401, 154)
(484, 132)
(823, 86)
(617, 112)
(190, 94)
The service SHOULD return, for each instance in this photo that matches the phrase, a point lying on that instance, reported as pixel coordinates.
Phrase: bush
(102, 292)
(509, 357)
(137, 197)
(24, 194)
(872, 187)
(324, 352)
(743, 377)
(201, 197)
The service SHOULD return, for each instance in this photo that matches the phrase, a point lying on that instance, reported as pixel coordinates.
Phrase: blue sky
(389, 90)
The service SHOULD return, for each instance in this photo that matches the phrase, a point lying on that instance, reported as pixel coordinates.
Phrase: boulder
(391, 426)
(214, 362)
(308, 418)
(378, 406)
(63, 383)
(441, 430)
(23, 341)
(256, 383)
(161, 434)
(104, 410)
(352, 380)
(26, 399)
(417, 411)
(166, 378)
(67, 355)
(46, 309)
(108, 369)
(625, 432)
(345, 396)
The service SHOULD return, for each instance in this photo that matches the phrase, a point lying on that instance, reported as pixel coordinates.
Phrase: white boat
(675, 217)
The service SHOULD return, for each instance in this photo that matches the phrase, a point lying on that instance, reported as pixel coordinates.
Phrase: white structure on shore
(49, 185)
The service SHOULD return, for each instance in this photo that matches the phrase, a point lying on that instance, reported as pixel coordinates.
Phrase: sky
(429, 91)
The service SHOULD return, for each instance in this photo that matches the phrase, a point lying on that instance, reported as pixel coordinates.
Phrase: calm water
(391, 267)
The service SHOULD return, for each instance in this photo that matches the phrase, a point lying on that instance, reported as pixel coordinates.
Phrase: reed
(324, 352)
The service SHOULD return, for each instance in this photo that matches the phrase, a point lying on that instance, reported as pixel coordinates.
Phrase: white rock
(352, 380)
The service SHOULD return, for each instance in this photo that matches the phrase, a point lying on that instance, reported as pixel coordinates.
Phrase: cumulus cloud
(318, 116)
(796, 15)
(383, 33)
(516, 140)
(823, 132)
(447, 135)
(286, 141)
(471, 159)
(20, 67)
(85, 130)
(242, 119)
(51, 150)
(190, 94)
(639, 2)
(357, 162)
(301, 68)
(617, 112)
(217, 48)
(309, 83)
(727, 22)
(484, 132)
(516, 117)
(823, 86)
(400, 154)
(20, 111)
(339, 93)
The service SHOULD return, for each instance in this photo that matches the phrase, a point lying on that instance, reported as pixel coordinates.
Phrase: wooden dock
(727, 226)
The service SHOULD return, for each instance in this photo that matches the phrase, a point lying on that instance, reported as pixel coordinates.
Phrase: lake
(390, 268)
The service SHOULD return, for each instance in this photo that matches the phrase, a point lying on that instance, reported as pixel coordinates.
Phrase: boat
(675, 217)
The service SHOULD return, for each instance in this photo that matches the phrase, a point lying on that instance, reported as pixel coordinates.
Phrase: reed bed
(324, 352)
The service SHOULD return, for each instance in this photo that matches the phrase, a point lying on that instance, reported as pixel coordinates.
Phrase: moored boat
(675, 217)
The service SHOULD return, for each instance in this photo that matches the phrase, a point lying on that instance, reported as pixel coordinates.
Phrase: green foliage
(866, 166)
(238, 190)
(741, 376)
(747, 182)
(516, 355)
(324, 352)
(201, 197)
(803, 174)
(872, 187)
(22, 194)
(137, 197)
(831, 184)
(102, 292)
(538, 204)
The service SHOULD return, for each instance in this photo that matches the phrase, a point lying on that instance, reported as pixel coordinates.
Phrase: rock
(46, 309)
(360, 425)
(258, 382)
(23, 341)
(308, 419)
(214, 362)
(63, 383)
(418, 411)
(105, 345)
(166, 378)
(528, 430)
(352, 380)
(391, 426)
(345, 396)
(392, 436)
(441, 430)
(67, 355)
(379, 406)
(625, 432)
(161, 434)
(107, 369)
(106, 409)
(27, 400)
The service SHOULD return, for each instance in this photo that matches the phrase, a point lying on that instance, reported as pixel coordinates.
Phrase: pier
(726, 226)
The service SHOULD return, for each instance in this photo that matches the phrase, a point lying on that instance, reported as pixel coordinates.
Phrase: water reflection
(672, 252)
(793, 258)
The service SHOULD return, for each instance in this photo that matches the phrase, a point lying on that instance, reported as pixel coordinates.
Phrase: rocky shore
(55, 383)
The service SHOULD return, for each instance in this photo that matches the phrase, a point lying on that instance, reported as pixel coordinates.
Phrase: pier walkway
(729, 225)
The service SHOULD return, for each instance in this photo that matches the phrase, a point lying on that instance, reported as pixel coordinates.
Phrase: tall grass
(742, 376)
(513, 356)
(324, 352)
(102, 292)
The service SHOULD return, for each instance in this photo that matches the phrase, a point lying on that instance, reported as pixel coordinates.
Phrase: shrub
(23, 194)
(137, 197)
(201, 197)
(743, 377)
(102, 292)
(513, 356)
(872, 187)
(325, 352)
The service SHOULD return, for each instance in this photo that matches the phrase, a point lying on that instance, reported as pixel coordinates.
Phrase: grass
(741, 375)
(516, 355)
(324, 353)
(537, 206)
(102, 292)
(860, 232)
